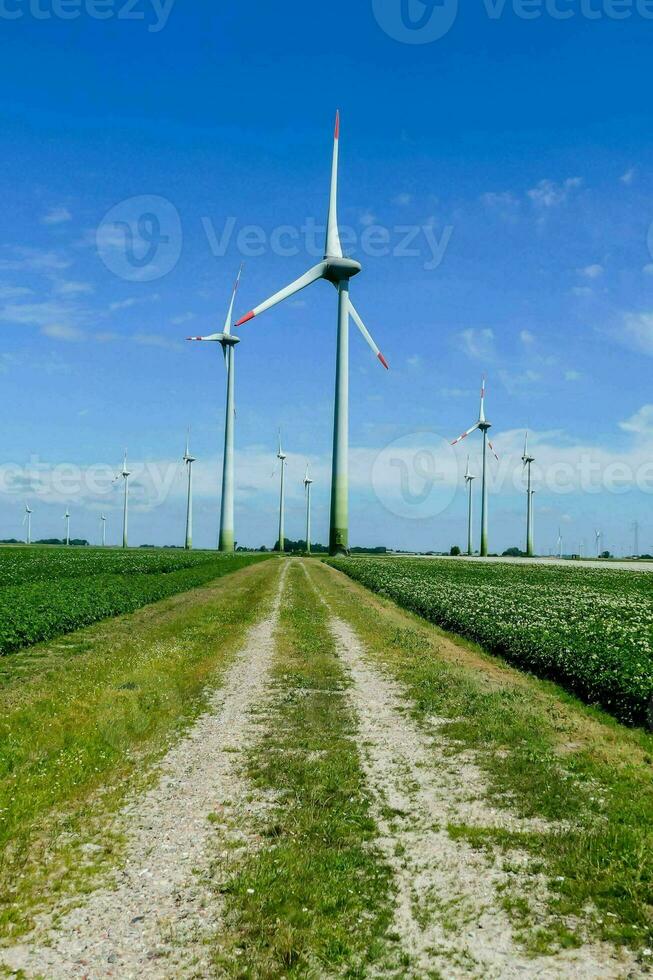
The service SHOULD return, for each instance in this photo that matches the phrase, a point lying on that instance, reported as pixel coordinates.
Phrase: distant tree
(455, 551)
(606, 554)
(513, 553)
(11, 541)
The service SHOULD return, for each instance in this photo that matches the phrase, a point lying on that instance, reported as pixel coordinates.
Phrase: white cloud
(518, 381)
(638, 331)
(35, 314)
(648, 269)
(177, 321)
(628, 177)
(155, 340)
(527, 338)
(14, 292)
(56, 216)
(505, 204)
(478, 344)
(414, 361)
(72, 288)
(34, 260)
(62, 331)
(367, 218)
(583, 291)
(402, 199)
(592, 271)
(572, 375)
(122, 304)
(549, 194)
(641, 423)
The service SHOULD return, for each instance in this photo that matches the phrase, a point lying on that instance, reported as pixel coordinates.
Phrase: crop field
(46, 592)
(268, 768)
(589, 629)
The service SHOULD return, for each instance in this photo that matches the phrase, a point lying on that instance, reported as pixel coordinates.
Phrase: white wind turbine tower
(559, 544)
(125, 474)
(483, 425)
(228, 342)
(189, 460)
(598, 535)
(528, 461)
(281, 456)
(27, 519)
(337, 270)
(103, 530)
(66, 518)
(469, 483)
(307, 487)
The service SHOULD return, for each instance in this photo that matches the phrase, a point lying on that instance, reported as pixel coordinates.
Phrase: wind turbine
(598, 535)
(469, 481)
(528, 461)
(307, 488)
(189, 460)
(559, 545)
(103, 527)
(337, 270)
(125, 474)
(228, 342)
(282, 497)
(66, 518)
(27, 519)
(483, 425)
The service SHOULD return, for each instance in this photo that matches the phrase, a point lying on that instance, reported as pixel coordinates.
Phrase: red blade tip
(337, 131)
(244, 319)
(383, 361)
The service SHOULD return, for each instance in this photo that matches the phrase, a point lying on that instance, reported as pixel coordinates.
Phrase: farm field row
(589, 629)
(49, 592)
(284, 773)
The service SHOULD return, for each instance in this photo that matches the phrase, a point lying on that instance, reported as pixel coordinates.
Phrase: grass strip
(544, 755)
(314, 897)
(40, 610)
(75, 737)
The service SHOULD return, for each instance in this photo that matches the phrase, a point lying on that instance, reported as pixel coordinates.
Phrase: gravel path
(153, 920)
(448, 914)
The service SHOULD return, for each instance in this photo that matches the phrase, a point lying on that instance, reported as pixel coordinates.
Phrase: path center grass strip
(314, 898)
(49, 592)
(75, 737)
(544, 755)
(589, 629)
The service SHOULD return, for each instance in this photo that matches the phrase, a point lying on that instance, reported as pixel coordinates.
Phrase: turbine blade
(317, 272)
(332, 245)
(230, 312)
(366, 334)
(217, 337)
(493, 450)
(465, 434)
(481, 414)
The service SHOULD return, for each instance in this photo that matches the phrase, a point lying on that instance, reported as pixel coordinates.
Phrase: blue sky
(510, 158)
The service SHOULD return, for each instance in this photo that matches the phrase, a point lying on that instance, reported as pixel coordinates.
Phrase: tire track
(155, 920)
(448, 915)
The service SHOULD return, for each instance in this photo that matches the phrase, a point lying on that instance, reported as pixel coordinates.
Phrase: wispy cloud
(477, 343)
(549, 194)
(629, 176)
(641, 423)
(71, 288)
(24, 259)
(62, 331)
(637, 331)
(57, 216)
(402, 199)
(592, 271)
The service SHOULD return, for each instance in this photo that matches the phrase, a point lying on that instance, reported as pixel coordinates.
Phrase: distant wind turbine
(281, 456)
(125, 474)
(483, 425)
(307, 487)
(66, 518)
(528, 461)
(559, 543)
(27, 519)
(103, 530)
(189, 460)
(228, 342)
(337, 270)
(469, 483)
(598, 535)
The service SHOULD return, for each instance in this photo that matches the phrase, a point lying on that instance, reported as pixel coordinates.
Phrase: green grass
(543, 754)
(81, 722)
(314, 898)
(49, 592)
